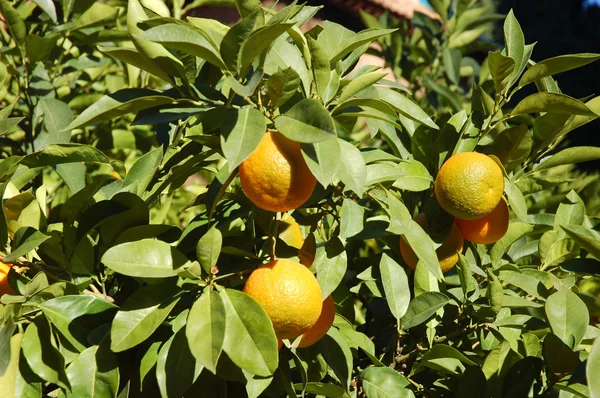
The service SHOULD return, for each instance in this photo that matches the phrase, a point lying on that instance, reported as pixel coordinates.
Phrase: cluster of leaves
(131, 237)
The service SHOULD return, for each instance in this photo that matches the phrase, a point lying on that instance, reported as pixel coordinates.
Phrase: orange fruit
(469, 185)
(290, 232)
(487, 229)
(289, 293)
(447, 253)
(323, 324)
(4, 286)
(275, 176)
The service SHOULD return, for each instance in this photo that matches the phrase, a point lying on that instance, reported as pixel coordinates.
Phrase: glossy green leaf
(570, 156)
(395, 285)
(423, 247)
(94, 373)
(501, 68)
(41, 354)
(568, 316)
(360, 83)
(320, 65)
(351, 218)
(515, 42)
(352, 170)
(323, 159)
(77, 316)
(358, 40)
(515, 231)
(416, 177)
(472, 384)
(250, 341)
(11, 350)
(209, 248)
(571, 211)
(593, 368)
(444, 358)
(423, 307)
(122, 102)
(241, 132)
(141, 314)
(512, 146)
(284, 55)
(559, 357)
(307, 121)
(337, 354)
(7, 328)
(235, 38)
(132, 57)
(205, 329)
(282, 85)
(383, 382)
(516, 199)
(584, 237)
(143, 170)
(176, 367)
(146, 258)
(551, 102)
(259, 41)
(494, 292)
(331, 262)
(31, 239)
(15, 23)
(555, 65)
(184, 38)
(451, 58)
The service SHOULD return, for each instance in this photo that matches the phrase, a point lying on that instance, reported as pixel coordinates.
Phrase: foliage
(131, 238)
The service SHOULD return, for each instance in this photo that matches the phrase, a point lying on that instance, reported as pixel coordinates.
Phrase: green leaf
(501, 68)
(141, 314)
(241, 132)
(132, 57)
(30, 240)
(358, 40)
(284, 55)
(205, 329)
(494, 292)
(395, 285)
(584, 237)
(556, 65)
(351, 218)
(337, 354)
(250, 341)
(15, 23)
(122, 102)
(185, 39)
(472, 384)
(383, 382)
(282, 85)
(515, 43)
(77, 316)
(247, 7)
(462, 39)
(551, 102)
(323, 159)
(423, 307)
(64, 153)
(146, 258)
(57, 116)
(559, 358)
(11, 350)
(41, 354)
(516, 199)
(423, 247)
(399, 103)
(307, 121)
(94, 373)
(515, 231)
(442, 357)
(416, 177)
(209, 248)
(568, 316)
(593, 368)
(7, 328)
(451, 58)
(176, 367)
(143, 170)
(234, 40)
(513, 146)
(352, 170)
(259, 41)
(360, 83)
(331, 263)
(570, 156)
(571, 211)
(320, 66)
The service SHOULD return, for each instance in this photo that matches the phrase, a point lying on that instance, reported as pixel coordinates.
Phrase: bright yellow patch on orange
(447, 253)
(289, 293)
(4, 286)
(469, 185)
(323, 324)
(487, 229)
(290, 232)
(275, 176)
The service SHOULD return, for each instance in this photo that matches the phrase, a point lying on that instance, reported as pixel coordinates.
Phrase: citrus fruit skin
(290, 232)
(469, 185)
(289, 293)
(4, 286)
(447, 253)
(323, 324)
(275, 176)
(487, 229)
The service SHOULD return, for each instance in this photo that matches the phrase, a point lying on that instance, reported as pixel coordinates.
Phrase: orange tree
(135, 262)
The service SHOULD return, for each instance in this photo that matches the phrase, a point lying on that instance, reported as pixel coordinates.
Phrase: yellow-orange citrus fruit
(487, 229)
(447, 253)
(469, 185)
(4, 286)
(275, 176)
(289, 293)
(290, 232)
(323, 324)
(279, 344)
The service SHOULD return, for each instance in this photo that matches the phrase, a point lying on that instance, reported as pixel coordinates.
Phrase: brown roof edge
(406, 8)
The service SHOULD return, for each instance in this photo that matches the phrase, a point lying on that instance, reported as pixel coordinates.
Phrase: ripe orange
(447, 253)
(275, 176)
(487, 229)
(4, 286)
(290, 232)
(289, 293)
(469, 185)
(323, 324)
